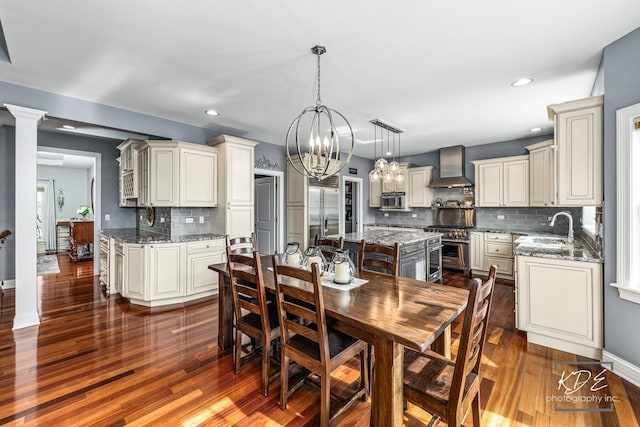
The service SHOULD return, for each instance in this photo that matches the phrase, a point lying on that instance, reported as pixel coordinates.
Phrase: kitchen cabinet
(488, 248)
(375, 193)
(176, 174)
(166, 278)
(81, 240)
(578, 135)
(200, 255)
(394, 186)
(476, 244)
(560, 304)
(129, 172)
(107, 262)
(502, 182)
(542, 173)
(413, 261)
(419, 193)
(134, 276)
(117, 278)
(235, 216)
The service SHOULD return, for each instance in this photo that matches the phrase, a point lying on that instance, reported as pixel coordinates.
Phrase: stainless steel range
(454, 223)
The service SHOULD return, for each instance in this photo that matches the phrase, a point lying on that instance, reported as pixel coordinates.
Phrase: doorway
(351, 205)
(269, 210)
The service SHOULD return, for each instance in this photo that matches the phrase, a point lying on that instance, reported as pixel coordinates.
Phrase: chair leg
(372, 359)
(237, 351)
(284, 381)
(475, 408)
(266, 364)
(364, 373)
(325, 398)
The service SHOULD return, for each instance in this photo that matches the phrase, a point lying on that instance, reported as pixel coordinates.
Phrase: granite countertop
(579, 251)
(388, 237)
(133, 235)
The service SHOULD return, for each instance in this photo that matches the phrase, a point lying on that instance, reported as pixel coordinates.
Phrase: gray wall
(7, 201)
(75, 186)
(621, 65)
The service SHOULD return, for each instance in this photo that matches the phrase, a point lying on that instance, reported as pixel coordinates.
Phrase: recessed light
(211, 112)
(535, 130)
(69, 127)
(522, 82)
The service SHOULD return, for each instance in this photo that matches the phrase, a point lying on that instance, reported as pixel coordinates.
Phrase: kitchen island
(153, 269)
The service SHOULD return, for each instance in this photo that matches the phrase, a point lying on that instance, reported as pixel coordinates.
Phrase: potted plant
(83, 211)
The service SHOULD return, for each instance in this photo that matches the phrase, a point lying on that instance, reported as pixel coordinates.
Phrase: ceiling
(439, 70)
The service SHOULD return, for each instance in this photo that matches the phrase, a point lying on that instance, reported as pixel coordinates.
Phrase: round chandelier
(383, 169)
(315, 136)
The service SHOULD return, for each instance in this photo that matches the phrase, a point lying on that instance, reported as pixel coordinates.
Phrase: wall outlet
(140, 216)
(500, 216)
(107, 217)
(414, 215)
(162, 220)
(549, 218)
(201, 219)
(386, 214)
(188, 220)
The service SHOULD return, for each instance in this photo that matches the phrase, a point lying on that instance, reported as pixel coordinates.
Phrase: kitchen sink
(545, 242)
(549, 240)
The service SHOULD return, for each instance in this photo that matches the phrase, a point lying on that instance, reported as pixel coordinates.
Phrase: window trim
(628, 248)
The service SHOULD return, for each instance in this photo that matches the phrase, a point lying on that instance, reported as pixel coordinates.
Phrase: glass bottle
(292, 255)
(342, 267)
(314, 254)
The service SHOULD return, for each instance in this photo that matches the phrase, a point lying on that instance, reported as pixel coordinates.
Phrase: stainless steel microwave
(394, 201)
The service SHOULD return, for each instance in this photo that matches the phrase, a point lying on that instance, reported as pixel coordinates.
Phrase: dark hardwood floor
(95, 360)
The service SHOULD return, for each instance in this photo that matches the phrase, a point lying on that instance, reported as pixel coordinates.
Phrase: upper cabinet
(176, 174)
(542, 174)
(419, 193)
(375, 193)
(578, 136)
(502, 182)
(396, 186)
(128, 172)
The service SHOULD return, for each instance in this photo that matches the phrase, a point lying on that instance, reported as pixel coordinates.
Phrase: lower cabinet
(488, 249)
(168, 273)
(559, 304)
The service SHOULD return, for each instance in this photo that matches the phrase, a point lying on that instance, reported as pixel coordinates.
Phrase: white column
(27, 120)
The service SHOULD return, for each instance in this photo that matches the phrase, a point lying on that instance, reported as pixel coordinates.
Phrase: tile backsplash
(175, 221)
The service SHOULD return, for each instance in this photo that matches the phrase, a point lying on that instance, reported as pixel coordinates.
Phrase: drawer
(505, 265)
(206, 246)
(498, 249)
(498, 237)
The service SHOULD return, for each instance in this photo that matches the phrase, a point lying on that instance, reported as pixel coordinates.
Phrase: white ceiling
(439, 70)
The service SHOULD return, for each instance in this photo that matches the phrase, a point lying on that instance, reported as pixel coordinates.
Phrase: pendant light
(321, 158)
(375, 173)
(399, 176)
(390, 171)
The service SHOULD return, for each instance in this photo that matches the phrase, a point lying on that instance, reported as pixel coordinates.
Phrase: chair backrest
(379, 257)
(247, 286)
(472, 337)
(242, 245)
(300, 298)
(329, 246)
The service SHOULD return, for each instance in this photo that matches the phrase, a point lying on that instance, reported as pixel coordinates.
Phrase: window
(628, 203)
(589, 221)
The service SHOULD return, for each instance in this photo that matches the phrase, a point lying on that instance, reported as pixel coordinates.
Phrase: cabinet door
(239, 220)
(516, 183)
(541, 177)
(239, 176)
(296, 187)
(297, 225)
(199, 277)
(477, 251)
(163, 176)
(166, 277)
(118, 278)
(198, 178)
(489, 183)
(375, 193)
(401, 185)
(135, 272)
(418, 188)
(143, 177)
(579, 139)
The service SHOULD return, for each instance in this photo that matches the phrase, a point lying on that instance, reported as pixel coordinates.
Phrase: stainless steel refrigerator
(323, 212)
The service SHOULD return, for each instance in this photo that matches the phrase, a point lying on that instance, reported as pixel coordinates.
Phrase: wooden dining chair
(242, 245)
(446, 389)
(329, 246)
(311, 344)
(254, 317)
(378, 258)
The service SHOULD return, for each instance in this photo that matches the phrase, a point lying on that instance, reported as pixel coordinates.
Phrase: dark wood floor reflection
(99, 361)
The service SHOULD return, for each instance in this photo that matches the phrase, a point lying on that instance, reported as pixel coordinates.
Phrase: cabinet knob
(208, 246)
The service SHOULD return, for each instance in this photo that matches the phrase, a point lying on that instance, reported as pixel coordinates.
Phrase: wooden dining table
(389, 313)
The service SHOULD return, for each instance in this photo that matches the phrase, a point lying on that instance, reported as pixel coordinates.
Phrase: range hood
(451, 169)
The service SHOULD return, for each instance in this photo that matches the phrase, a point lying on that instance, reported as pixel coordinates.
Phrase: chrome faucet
(568, 215)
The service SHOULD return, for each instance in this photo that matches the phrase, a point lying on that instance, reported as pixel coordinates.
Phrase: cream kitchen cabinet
(176, 174)
(200, 255)
(134, 283)
(502, 182)
(394, 186)
(542, 174)
(165, 274)
(235, 215)
(560, 304)
(419, 193)
(578, 135)
(488, 248)
(128, 172)
(476, 251)
(375, 193)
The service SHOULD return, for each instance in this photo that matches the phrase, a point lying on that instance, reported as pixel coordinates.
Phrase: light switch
(188, 220)
(107, 217)
(201, 219)
(162, 220)
(386, 214)
(414, 215)
(500, 216)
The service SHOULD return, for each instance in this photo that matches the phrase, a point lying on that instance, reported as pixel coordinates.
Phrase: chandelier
(320, 158)
(384, 169)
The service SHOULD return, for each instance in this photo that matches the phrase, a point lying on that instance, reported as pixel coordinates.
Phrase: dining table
(391, 313)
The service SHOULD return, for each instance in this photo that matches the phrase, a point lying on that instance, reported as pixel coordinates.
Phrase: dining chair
(378, 258)
(254, 317)
(329, 246)
(242, 245)
(312, 344)
(447, 389)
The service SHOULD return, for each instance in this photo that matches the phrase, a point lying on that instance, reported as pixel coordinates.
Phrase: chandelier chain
(318, 100)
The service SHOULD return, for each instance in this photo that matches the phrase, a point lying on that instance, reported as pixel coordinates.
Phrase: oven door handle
(435, 248)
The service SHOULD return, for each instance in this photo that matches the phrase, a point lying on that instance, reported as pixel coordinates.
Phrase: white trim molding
(9, 284)
(628, 204)
(279, 175)
(622, 368)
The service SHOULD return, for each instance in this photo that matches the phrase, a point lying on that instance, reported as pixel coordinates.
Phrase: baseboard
(622, 368)
(9, 284)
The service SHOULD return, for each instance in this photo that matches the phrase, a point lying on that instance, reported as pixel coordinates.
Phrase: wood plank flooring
(100, 361)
